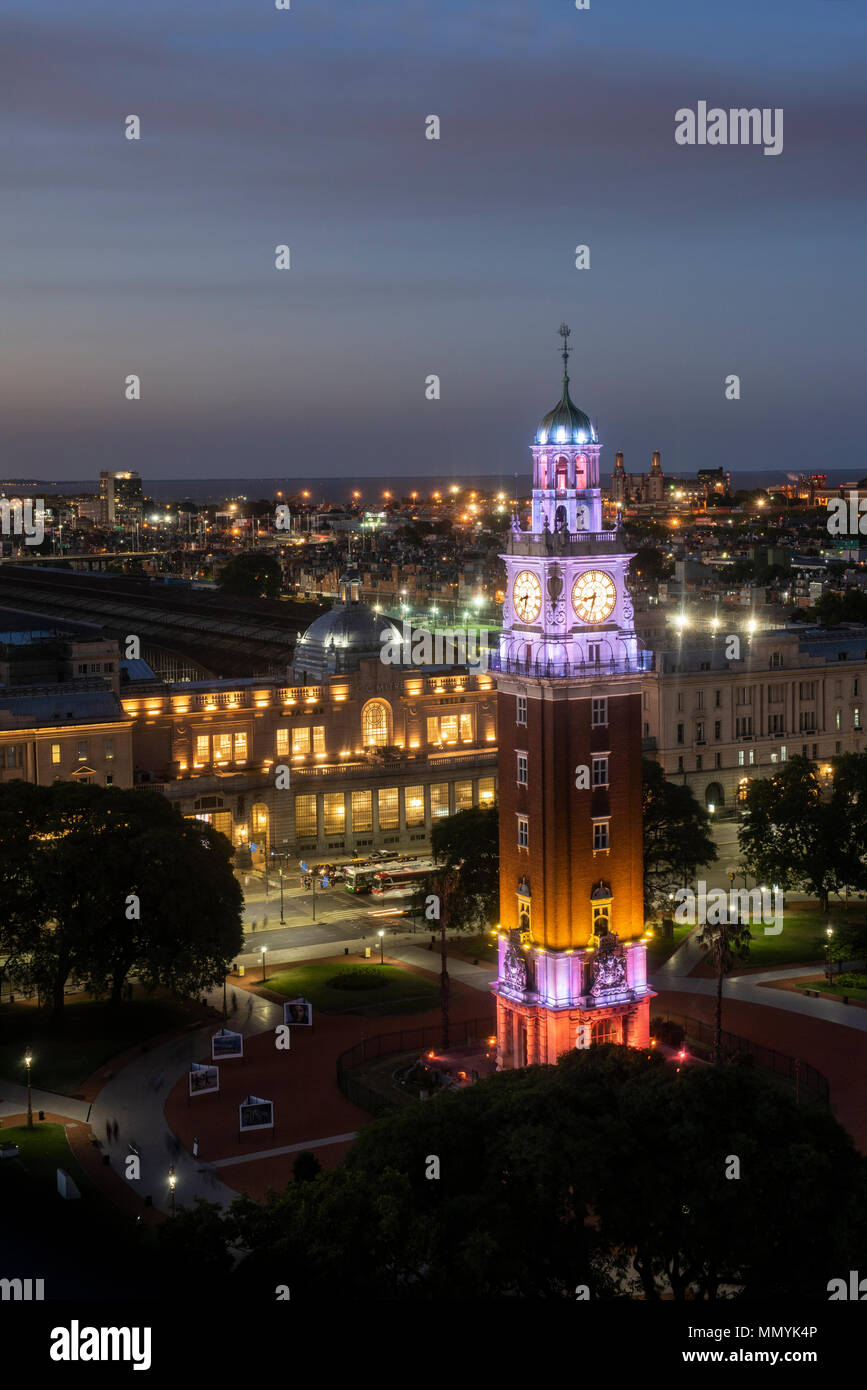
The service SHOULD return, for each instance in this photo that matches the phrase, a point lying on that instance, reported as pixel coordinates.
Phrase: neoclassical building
(348, 753)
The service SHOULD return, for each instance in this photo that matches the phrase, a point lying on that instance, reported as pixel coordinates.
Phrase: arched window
(561, 469)
(604, 1031)
(375, 724)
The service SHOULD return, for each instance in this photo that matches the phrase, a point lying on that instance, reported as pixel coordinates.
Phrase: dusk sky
(412, 257)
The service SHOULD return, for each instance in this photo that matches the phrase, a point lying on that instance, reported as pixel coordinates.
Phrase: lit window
(318, 738)
(389, 809)
(334, 813)
(463, 796)
(486, 791)
(55, 752)
(439, 799)
(374, 724)
(362, 811)
(305, 817)
(203, 748)
(240, 748)
(108, 747)
(282, 743)
(300, 742)
(413, 798)
(222, 747)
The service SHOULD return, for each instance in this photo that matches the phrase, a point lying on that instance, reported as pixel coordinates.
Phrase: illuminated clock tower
(572, 966)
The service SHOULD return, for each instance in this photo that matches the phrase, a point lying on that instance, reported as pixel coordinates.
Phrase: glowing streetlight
(28, 1058)
(381, 934)
(264, 949)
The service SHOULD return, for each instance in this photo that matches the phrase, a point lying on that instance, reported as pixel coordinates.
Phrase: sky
(412, 257)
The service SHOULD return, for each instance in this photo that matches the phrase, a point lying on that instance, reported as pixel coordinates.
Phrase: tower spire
(565, 333)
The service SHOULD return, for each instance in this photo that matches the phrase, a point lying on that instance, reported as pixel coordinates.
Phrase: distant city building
(120, 499)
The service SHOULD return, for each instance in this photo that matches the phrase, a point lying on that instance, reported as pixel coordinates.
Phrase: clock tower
(572, 967)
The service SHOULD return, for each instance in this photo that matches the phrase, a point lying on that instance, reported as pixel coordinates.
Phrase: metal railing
(403, 1040)
(554, 670)
(802, 1076)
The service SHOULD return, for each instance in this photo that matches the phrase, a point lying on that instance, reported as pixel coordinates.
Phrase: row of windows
(776, 694)
(747, 756)
(807, 724)
(598, 771)
(298, 742)
(601, 831)
(95, 667)
(83, 750)
(599, 713)
(388, 807)
(219, 747)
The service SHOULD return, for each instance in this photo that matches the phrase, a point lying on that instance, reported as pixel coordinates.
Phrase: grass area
(834, 991)
(89, 1034)
(478, 949)
(801, 940)
(81, 1246)
(399, 991)
(659, 949)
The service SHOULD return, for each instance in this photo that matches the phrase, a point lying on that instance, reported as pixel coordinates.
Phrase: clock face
(527, 596)
(593, 596)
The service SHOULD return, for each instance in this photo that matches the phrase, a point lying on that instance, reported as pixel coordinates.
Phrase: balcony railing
(572, 670)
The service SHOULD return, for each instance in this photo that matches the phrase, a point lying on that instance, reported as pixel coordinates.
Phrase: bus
(402, 880)
(359, 877)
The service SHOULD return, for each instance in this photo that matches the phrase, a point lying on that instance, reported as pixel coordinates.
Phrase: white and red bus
(402, 880)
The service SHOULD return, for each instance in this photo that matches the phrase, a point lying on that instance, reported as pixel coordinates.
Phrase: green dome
(566, 424)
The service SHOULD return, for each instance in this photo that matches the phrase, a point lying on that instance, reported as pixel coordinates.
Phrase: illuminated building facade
(572, 962)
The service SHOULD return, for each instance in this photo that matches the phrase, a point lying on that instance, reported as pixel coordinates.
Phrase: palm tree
(725, 942)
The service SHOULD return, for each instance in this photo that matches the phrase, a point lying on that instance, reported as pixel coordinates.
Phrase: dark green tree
(677, 838)
(726, 943)
(467, 846)
(801, 829)
(253, 574)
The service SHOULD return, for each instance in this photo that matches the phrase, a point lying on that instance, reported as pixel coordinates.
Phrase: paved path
(477, 976)
(13, 1101)
(136, 1097)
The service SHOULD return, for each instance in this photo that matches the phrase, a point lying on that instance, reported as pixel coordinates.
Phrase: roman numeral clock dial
(594, 595)
(527, 596)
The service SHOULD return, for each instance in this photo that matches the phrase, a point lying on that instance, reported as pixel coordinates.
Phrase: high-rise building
(120, 499)
(572, 962)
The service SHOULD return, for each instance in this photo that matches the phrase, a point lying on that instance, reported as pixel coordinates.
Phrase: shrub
(665, 1030)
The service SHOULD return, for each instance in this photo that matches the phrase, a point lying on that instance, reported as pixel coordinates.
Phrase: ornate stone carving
(515, 969)
(609, 974)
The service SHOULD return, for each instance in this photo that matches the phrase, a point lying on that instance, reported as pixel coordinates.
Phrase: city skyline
(412, 257)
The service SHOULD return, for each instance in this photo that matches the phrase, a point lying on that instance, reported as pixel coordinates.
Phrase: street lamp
(172, 1181)
(27, 1060)
(264, 949)
(829, 932)
(282, 918)
(381, 934)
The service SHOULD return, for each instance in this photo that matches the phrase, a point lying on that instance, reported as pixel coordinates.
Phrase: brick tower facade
(572, 961)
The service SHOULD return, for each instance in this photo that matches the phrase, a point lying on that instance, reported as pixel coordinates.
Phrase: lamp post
(27, 1060)
(264, 977)
(282, 918)
(829, 932)
(381, 934)
(172, 1181)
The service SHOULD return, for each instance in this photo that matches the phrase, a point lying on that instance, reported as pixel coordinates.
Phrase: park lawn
(834, 991)
(75, 1245)
(479, 949)
(402, 992)
(659, 949)
(800, 941)
(88, 1036)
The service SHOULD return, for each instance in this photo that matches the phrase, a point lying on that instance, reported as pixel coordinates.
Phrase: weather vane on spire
(565, 333)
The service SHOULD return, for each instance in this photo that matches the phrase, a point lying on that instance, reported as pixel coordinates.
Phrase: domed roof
(566, 424)
(339, 639)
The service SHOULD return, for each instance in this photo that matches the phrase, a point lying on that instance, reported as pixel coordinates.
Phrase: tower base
(531, 1033)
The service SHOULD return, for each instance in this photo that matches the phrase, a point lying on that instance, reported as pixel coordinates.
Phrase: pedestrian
(264, 923)
(249, 1006)
(115, 1129)
(234, 1002)
(108, 1130)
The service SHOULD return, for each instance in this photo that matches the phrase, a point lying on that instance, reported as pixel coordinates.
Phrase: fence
(802, 1076)
(402, 1040)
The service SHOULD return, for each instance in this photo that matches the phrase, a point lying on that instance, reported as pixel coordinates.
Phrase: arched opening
(560, 518)
(714, 797)
(581, 471)
(561, 474)
(376, 724)
(605, 1030)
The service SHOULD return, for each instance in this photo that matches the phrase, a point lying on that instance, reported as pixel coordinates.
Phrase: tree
(804, 831)
(677, 839)
(467, 845)
(251, 575)
(116, 881)
(306, 1166)
(725, 942)
(562, 1152)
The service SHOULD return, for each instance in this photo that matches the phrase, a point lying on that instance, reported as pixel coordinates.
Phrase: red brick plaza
(308, 1106)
